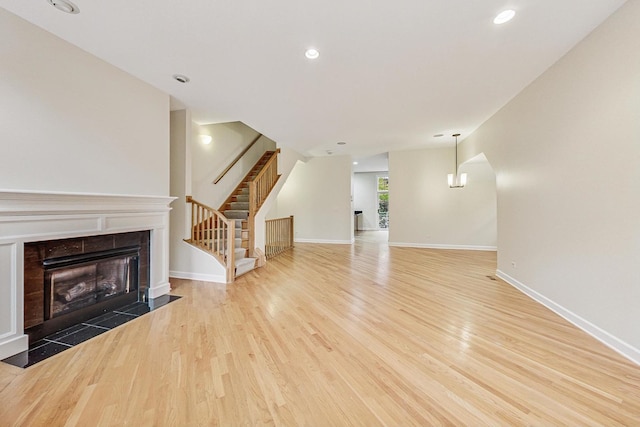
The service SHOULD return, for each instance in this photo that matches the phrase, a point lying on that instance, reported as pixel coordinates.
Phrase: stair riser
(237, 242)
(239, 253)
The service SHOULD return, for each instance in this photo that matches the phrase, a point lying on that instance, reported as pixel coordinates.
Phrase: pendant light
(457, 180)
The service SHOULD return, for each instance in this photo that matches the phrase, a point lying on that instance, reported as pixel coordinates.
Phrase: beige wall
(425, 212)
(318, 195)
(567, 154)
(71, 122)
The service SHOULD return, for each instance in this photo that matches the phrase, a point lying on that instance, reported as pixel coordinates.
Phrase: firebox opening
(79, 281)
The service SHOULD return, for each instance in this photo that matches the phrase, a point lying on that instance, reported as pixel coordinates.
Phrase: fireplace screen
(79, 281)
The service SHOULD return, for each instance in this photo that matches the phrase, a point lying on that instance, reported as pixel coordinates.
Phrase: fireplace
(69, 281)
(31, 223)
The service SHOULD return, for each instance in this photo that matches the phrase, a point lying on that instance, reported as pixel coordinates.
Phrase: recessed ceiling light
(504, 16)
(312, 53)
(438, 135)
(181, 78)
(65, 6)
(342, 143)
(355, 163)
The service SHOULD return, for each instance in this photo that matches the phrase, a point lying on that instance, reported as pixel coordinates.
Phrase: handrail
(263, 186)
(212, 232)
(259, 189)
(232, 164)
(278, 236)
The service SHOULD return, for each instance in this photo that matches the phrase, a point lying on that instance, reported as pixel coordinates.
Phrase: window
(383, 202)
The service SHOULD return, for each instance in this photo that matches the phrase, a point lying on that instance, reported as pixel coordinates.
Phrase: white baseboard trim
(436, 246)
(197, 276)
(601, 335)
(13, 345)
(159, 290)
(331, 242)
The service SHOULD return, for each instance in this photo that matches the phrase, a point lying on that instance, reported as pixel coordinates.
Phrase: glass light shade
(457, 181)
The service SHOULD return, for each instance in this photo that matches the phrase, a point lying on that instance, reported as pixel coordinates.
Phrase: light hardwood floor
(340, 335)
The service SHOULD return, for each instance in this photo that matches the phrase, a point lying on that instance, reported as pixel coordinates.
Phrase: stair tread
(237, 214)
(239, 253)
(244, 261)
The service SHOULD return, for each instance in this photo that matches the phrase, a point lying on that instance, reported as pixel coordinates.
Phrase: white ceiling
(390, 74)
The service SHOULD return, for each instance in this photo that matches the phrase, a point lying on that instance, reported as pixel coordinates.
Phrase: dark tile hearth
(110, 320)
(77, 334)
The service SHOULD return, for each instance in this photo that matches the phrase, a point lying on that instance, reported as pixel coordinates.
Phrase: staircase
(228, 233)
(238, 204)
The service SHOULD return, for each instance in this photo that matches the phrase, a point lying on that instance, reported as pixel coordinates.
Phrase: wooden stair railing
(259, 189)
(278, 236)
(212, 232)
(238, 157)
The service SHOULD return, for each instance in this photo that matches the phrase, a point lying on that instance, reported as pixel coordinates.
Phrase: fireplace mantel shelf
(33, 203)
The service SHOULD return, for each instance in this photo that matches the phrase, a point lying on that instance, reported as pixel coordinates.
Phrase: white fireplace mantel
(33, 216)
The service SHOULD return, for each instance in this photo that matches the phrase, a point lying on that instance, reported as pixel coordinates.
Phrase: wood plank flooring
(336, 335)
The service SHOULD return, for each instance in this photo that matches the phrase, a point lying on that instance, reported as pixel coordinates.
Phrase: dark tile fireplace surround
(69, 281)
